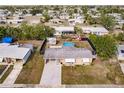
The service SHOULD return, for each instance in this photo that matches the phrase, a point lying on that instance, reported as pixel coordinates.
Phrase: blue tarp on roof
(7, 40)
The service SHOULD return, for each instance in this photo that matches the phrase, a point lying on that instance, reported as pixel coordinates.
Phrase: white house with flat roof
(63, 30)
(120, 52)
(14, 53)
(95, 30)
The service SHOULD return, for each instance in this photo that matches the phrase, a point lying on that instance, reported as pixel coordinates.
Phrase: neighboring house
(95, 30)
(64, 16)
(64, 30)
(18, 21)
(120, 52)
(69, 55)
(27, 15)
(3, 13)
(13, 53)
(39, 14)
(15, 20)
(56, 21)
(2, 21)
(74, 21)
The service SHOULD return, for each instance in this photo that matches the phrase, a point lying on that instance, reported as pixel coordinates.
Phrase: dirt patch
(35, 43)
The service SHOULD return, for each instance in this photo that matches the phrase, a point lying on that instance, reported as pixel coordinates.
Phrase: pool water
(69, 44)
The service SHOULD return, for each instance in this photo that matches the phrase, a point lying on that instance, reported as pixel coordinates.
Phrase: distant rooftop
(64, 29)
(95, 29)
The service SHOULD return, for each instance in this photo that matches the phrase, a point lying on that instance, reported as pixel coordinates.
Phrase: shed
(51, 40)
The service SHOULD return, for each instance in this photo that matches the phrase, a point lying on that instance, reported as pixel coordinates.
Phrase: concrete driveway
(13, 75)
(51, 74)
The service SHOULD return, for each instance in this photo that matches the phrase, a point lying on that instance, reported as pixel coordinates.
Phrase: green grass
(93, 74)
(6, 74)
(32, 70)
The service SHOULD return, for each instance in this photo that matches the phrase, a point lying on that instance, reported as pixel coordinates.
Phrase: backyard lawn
(93, 74)
(32, 70)
(6, 74)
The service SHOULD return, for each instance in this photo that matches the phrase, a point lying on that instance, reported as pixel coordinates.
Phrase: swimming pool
(69, 44)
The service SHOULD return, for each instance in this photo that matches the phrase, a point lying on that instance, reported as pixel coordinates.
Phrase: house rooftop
(67, 52)
(95, 29)
(13, 52)
(121, 48)
(64, 29)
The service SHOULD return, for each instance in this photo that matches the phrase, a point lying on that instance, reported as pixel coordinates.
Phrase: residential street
(51, 74)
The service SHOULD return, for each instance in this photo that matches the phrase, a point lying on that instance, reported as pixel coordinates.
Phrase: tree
(123, 28)
(75, 10)
(85, 9)
(36, 11)
(108, 22)
(78, 30)
(105, 46)
(90, 20)
(119, 37)
(2, 32)
(24, 12)
(46, 17)
(27, 32)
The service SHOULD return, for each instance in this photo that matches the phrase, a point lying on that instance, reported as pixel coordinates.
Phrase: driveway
(51, 74)
(14, 74)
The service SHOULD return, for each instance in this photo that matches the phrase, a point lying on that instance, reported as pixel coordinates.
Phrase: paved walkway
(13, 75)
(62, 86)
(51, 74)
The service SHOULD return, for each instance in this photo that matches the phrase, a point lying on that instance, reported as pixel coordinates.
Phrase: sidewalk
(13, 75)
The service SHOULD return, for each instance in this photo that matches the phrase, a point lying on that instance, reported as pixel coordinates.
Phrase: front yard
(32, 70)
(6, 74)
(100, 73)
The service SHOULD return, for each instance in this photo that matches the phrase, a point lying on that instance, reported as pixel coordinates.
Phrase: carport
(51, 60)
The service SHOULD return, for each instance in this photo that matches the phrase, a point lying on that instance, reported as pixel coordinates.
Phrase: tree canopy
(78, 30)
(105, 46)
(108, 22)
(119, 37)
(26, 32)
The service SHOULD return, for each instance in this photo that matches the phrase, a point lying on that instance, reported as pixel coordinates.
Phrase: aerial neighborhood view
(61, 46)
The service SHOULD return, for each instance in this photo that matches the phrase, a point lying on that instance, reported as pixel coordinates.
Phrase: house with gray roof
(120, 52)
(69, 55)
